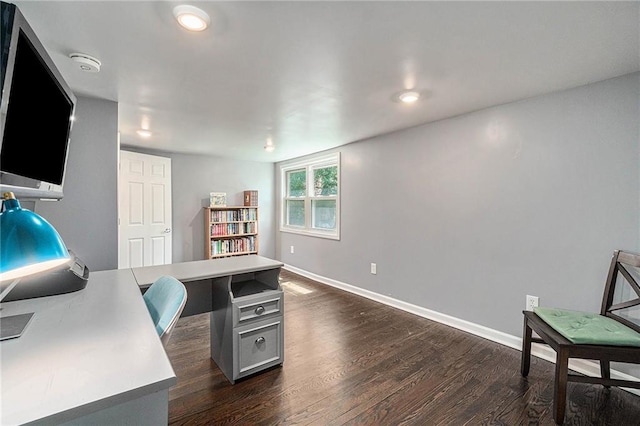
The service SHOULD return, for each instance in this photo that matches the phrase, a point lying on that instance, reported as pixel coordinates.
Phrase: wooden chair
(614, 335)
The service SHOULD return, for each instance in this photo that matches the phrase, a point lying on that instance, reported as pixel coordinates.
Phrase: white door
(144, 210)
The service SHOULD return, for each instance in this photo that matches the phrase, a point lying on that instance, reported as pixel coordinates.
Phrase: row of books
(236, 245)
(224, 229)
(234, 215)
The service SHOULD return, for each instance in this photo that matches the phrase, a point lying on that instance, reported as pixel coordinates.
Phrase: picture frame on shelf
(217, 199)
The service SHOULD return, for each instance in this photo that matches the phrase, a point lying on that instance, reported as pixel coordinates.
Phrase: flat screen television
(36, 114)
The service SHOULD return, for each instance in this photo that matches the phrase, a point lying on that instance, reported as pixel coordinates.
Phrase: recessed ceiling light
(409, 97)
(85, 62)
(191, 18)
(144, 133)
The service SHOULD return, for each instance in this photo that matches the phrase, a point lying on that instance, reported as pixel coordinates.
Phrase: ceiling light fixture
(85, 62)
(409, 97)
(269, 147)
(144, 133)
(191, 18)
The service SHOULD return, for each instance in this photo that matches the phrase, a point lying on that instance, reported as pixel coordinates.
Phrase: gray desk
(87, 357)
(205, 269)
(246, 305)
(202, 277)
(93, 357)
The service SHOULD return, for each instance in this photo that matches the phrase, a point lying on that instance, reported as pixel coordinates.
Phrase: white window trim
(309, 164)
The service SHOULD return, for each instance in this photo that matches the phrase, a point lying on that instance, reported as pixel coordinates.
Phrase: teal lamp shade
(28, 243)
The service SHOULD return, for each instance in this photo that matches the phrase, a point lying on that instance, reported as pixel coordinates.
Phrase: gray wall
(468, 215)
(463, 216)
(194, 177)
(86, 217)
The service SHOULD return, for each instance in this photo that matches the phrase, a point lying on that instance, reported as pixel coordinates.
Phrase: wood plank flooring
(352, 361)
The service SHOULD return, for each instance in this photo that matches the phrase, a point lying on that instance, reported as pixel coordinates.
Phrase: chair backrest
(626, 265)
(165, 300)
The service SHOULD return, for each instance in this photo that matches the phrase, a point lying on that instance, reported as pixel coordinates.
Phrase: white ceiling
(316, 75)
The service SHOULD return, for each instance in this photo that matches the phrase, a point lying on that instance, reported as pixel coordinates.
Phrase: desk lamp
(29, 247)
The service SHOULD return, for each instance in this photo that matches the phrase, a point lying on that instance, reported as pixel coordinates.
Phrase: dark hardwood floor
(350, 360)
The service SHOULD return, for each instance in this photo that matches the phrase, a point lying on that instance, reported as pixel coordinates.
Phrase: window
(311, 197)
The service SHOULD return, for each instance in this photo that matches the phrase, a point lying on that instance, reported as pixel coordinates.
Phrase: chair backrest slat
(629, 259)
(619, 263)
(624, 305)
(632, 282)
(610, 285)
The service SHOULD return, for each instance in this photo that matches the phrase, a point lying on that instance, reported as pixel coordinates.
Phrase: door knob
(167, 231)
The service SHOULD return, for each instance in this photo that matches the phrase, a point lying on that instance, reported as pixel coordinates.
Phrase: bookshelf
(230, 231)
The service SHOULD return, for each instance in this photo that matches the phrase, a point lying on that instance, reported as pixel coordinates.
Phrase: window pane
(324, 214)
(325, 181)
(297, 183)
(295, 212)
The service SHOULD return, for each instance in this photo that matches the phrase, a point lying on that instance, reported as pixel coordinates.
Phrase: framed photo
(217, 199)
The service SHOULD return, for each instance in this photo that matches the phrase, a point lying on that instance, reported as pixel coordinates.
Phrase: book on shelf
(235, 215)
(234, 245)
(229, 229)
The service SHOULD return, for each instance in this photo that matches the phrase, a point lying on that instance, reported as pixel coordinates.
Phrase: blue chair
(165, 300)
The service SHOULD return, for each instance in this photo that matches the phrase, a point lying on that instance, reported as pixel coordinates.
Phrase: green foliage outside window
(297, 183)
(326, 181)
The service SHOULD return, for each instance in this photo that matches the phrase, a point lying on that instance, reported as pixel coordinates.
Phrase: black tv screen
(38, 119)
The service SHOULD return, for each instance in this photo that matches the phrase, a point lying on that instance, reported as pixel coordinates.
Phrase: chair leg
(560, 386)
(605, 371)
(525, 361)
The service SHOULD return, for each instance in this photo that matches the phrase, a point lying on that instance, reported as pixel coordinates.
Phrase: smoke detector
(85, 62)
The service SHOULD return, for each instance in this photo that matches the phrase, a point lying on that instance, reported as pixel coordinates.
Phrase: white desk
(88, 357)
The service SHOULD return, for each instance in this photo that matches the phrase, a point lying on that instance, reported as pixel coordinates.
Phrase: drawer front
(255, 310)
(259, 347)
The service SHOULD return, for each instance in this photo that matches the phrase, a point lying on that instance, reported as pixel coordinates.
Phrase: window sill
(319, 234)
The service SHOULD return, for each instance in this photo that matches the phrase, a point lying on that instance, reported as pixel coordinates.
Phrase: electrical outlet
(532, 302)
(291, 249)
(373, 268)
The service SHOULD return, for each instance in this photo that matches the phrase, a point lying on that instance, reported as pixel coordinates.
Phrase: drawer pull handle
(259, 310)
(260, 340)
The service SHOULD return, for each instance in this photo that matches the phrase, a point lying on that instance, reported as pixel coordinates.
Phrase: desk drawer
(257, 308)
(259, 346)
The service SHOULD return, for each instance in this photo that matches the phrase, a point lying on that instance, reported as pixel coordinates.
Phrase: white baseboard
(588, 368)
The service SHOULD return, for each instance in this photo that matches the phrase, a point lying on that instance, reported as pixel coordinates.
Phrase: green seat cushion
(587, 328)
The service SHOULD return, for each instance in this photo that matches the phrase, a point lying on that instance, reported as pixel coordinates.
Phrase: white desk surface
(82, 352)
(204, 269)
